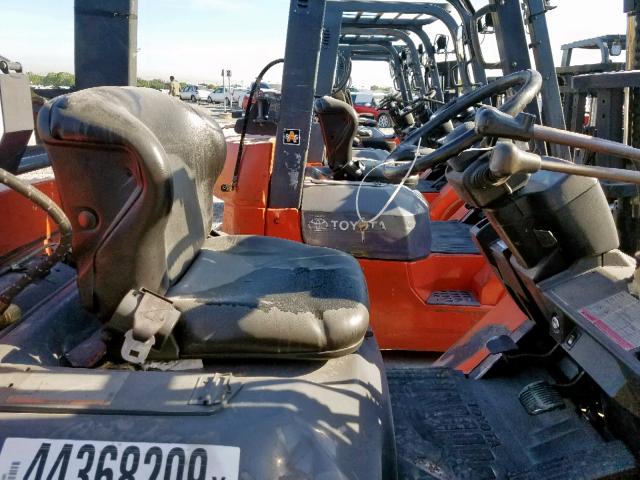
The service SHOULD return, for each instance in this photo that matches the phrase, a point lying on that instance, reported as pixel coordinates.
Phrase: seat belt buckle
(146, 321)
(134, 351)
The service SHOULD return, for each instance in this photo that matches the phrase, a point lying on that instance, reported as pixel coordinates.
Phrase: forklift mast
(106, 46)
(302, 52)
(415, 26)
(371, 53)
(392, 35)
(358, 13)
(630, 211)
(386, 46)
(632, 9)
(310, 72)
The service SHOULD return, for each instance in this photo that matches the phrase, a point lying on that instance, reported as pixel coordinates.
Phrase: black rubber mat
(452, 237)
(449, 427)
(427, 186)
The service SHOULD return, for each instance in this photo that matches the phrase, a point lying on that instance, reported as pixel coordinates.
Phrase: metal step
(461, 298)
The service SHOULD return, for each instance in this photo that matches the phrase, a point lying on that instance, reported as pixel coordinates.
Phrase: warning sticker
(618, 317)
(291, 136)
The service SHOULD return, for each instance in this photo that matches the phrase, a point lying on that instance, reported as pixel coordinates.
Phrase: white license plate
(43, 459)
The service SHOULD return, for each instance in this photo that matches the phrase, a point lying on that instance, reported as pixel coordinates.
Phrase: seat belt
(141, 326)
(146, 320)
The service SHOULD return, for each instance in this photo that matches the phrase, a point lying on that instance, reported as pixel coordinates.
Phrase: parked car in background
(238, 93)
(264, 90)
(195, 93)
(367, 102)
(221, 95)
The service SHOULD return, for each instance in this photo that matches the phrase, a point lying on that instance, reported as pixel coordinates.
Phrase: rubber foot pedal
(540, 397)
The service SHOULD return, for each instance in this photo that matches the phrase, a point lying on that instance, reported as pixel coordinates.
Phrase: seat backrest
(135, 171)
(343, 96)
(339, 123)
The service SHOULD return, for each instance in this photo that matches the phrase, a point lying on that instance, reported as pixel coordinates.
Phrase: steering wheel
(530, 83)
(386, 101)
(410, 107)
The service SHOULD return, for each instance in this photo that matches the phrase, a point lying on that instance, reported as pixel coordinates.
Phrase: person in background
(174, 87)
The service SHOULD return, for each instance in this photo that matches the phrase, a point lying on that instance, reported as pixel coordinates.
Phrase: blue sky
(195, 39)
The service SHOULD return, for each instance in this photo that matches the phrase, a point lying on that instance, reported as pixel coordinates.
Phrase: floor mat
(449, 427)
(452, 237)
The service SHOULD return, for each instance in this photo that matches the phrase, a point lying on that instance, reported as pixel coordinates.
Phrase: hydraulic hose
(41, 268)
(342, 83)
(245, 124)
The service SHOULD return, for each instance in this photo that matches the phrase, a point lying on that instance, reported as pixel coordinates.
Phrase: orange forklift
(423, 270)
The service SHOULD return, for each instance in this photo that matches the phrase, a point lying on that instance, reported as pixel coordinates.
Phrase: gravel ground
(218, 211)
(37, 175)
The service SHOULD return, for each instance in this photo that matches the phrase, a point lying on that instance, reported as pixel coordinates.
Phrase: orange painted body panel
(445, 204)
(430, 197)
(488, 289)
(240, 220)
(254, 176)
(284, 223)
(398, 292)
(459, 214)
(23, 223)
(245, 205)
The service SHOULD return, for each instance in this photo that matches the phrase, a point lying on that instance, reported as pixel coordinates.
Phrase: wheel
(384, 121)
(194, 99)
(209, 100)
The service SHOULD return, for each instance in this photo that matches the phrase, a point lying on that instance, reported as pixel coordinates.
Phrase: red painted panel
(284, 223)
(22, 222)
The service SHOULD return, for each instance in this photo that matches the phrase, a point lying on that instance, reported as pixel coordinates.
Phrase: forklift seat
(135, 170)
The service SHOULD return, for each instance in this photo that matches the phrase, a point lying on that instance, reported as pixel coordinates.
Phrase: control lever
(491, 122)
(507, 160)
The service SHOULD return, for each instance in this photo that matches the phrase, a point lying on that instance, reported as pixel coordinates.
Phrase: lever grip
(491, 122)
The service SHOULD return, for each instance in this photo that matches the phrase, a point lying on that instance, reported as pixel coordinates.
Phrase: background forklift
(279, 375)
(607, 93)
(445, 291)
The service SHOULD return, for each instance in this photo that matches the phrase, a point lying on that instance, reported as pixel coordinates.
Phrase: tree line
(65, 79)
(52, 79)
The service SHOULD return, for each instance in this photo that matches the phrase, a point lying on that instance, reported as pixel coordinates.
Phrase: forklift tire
(384, 121)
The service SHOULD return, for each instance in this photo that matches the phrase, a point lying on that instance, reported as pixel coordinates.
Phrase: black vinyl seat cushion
(270, 297)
